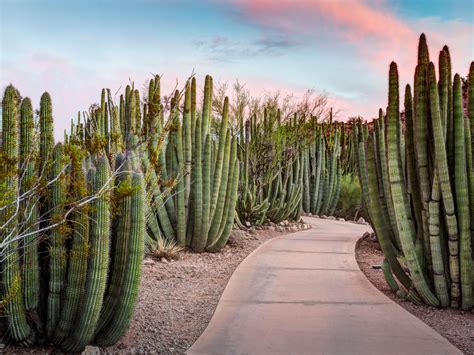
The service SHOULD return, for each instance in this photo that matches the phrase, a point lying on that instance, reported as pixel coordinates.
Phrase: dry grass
(167, 249)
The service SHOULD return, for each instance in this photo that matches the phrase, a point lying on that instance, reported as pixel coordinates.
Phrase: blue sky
(74, 48)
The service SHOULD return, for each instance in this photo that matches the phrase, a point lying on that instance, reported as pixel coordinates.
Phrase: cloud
(226, 49)
(353, 19)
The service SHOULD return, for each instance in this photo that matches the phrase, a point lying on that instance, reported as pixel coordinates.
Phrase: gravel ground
(455, 325)
(177, 298)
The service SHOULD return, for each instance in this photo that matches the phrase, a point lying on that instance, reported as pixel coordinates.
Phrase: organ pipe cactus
(29, 207)
(122, 293)
(325, 167)
(429, 201)
(46, 140)
(69, 306)
(195, 212)
(58, 250)
(12, 293)
(78, 255)
(98, 263)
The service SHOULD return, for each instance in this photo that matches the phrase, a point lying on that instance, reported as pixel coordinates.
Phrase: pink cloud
(354, 19)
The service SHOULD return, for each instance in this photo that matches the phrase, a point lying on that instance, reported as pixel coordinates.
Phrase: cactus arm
(130, 251)
(58, 252)
(442, 169)
(462, 197)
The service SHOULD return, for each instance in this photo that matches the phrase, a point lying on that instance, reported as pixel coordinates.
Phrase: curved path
(303, 293)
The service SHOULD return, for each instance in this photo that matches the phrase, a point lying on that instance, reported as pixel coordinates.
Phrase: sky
(342, 48)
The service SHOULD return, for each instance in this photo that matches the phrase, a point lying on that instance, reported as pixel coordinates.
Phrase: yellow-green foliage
(349, 204)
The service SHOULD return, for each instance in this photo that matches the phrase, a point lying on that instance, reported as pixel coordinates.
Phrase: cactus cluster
(323, 169)
(191, 172)
(418, 184)
(201, 164)
(287, 167)
(71, 262)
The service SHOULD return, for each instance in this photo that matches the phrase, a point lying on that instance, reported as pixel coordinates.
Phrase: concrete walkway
(303, 293)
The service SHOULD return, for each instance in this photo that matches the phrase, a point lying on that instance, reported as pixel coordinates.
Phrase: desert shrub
(168, 249)
(349, 204)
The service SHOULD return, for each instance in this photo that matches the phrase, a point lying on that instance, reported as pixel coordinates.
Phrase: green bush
(349, 204)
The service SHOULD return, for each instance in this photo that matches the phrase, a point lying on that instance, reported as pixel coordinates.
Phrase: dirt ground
(455, 325)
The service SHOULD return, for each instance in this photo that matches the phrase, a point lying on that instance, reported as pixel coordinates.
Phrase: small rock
(247, 224)
(324, 217)
(372, 237)
(361, 220)
(164, 260)
(341, 219)
(331, 218)
(91, 350)
(149, 262)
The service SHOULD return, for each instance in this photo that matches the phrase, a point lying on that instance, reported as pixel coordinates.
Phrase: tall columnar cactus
(462, 197)
(58, 236)
(98, 264)
(46, 140)
(442, 169)
(122, 293)
(18, 325)
(29, 207)
(78, 255)
(432, 204)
